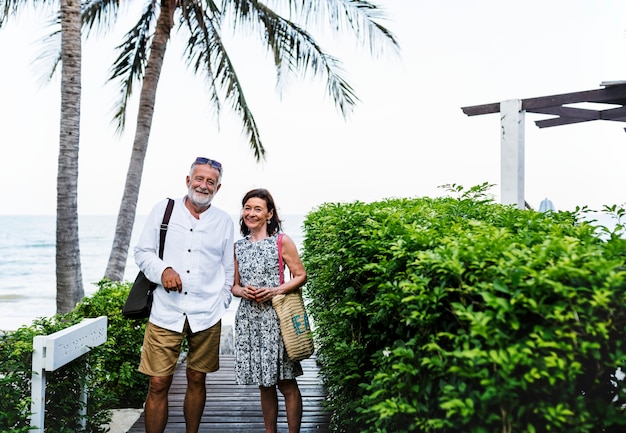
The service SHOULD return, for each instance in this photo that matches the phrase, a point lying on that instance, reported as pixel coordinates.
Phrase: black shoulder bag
(139, 301)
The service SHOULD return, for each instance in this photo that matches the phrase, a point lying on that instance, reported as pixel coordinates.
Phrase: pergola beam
(576, 113)
(512, 113)
(613, 94)
(558, 121)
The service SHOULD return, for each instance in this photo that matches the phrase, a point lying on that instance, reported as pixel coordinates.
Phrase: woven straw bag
(294, 322)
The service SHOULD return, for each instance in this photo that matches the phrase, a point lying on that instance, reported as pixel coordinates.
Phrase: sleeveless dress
(260, 354)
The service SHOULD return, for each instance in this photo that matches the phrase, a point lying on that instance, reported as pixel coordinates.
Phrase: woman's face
(255, 213)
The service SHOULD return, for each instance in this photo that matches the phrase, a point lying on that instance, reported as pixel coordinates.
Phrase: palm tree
(68, 267)
(294, 51)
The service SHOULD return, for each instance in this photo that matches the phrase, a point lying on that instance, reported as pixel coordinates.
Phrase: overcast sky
(406, 137)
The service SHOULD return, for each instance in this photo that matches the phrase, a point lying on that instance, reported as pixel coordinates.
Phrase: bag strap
(281, 266)
(166, 221)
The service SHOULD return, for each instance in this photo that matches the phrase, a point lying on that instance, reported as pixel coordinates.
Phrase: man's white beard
(199, 199)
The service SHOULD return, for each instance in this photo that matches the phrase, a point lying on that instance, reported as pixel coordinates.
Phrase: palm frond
(7, 8)
(50, 55)
(48, 58)
(361, 17)
(295, 50)
(194, 17)
(206, 53)
(99, 14)
(10, 8)
(130, 65)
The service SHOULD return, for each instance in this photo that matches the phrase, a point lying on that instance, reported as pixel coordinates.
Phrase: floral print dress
(260, 354)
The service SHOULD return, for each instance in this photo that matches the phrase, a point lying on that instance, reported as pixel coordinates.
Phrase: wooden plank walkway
(232, 408)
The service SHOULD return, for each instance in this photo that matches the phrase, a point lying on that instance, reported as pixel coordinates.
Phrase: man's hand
(171, 280)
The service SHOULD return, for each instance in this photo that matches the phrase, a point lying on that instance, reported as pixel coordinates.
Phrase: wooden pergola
(562, 108)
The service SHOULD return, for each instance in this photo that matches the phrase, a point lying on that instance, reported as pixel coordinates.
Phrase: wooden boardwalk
(232, 408)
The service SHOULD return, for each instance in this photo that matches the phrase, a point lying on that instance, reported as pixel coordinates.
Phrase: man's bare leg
(195, 399)
(156, 408)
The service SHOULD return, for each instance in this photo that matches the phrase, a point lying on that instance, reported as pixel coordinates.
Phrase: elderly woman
(260, 354)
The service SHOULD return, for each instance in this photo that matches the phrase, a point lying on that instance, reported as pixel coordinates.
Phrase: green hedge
(120, 354)
(462, 315)
(108, 370)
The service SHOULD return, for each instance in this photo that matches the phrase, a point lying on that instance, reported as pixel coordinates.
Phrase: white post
(82, 411)
(512, 152)
(54, 351)
(38, 384)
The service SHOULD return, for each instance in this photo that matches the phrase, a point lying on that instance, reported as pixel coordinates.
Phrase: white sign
(67, 345)
(55, 350)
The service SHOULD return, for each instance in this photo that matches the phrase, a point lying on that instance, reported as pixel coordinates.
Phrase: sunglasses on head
(213, 163)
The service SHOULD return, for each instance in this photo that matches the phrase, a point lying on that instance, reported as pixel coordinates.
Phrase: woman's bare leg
(269, 406)
(293, 403)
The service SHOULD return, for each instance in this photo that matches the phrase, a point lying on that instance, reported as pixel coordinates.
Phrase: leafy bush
(462, 315)
(121, 352)
(15, 352)
(62, 385)
(109, 370)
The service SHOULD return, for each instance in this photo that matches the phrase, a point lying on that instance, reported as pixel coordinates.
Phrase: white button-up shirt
(201, 251)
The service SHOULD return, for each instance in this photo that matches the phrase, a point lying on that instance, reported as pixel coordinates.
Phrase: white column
(512, 153)
(38, 385)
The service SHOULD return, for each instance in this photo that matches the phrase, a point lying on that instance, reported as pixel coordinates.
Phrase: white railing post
(38, 384)
(54, 351)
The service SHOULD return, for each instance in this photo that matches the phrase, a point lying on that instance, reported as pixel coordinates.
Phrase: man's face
(202, 184)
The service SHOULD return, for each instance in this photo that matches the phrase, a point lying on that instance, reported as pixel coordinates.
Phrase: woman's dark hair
(274, 225)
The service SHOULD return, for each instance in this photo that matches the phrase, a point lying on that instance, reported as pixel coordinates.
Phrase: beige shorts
(161, 350)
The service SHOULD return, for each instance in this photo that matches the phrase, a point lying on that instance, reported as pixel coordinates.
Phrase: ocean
(27, 261)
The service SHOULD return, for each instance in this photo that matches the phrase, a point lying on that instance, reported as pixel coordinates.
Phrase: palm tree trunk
(126, 215)
(68, 269)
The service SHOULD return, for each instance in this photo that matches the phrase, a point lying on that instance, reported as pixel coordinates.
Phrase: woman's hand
(264, 294)
(249, 292)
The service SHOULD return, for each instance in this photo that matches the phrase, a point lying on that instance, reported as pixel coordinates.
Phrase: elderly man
(194, 280)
